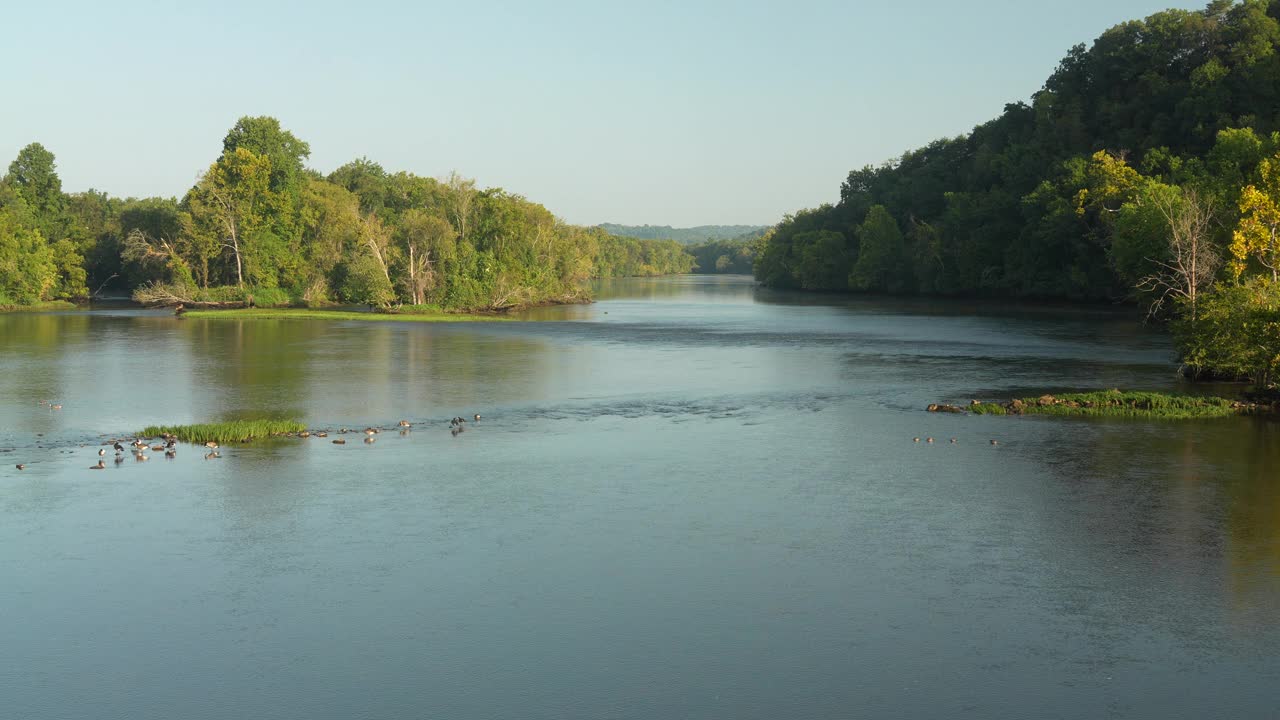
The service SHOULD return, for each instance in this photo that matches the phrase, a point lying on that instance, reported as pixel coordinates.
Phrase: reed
(234, 431)
(1114, 403)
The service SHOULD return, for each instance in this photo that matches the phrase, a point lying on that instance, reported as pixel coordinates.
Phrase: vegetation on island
(1146, 168)
(1115, 403)
(234, 431)
(260, 228)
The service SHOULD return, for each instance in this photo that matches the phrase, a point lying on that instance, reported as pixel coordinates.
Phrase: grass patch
(307, 314)
(1114, 403)
(226, 432)
(36, 307)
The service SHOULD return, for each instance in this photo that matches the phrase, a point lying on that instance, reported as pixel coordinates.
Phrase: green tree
(881, 253)
(34, 176)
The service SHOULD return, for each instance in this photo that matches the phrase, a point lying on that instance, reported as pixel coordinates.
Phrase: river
(694, 498)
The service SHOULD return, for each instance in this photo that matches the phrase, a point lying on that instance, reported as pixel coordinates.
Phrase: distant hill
(687, 236)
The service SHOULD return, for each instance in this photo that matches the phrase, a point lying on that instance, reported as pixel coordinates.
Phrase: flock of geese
(169, 446)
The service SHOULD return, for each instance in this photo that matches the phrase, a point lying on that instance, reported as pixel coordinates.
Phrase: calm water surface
(693, 499)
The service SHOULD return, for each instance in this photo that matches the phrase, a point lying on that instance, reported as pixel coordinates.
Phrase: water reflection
(685, 487)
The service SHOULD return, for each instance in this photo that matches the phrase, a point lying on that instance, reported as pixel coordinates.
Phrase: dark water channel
(692, 499)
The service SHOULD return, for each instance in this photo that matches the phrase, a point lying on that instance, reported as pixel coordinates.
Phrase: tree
(263, 136)
(428, 241)
(28, 269)
(1191, 262)
(228, 204)
(1258, 234)
(1237, 333)
(34, 176)
(459, 199)
(881, 253)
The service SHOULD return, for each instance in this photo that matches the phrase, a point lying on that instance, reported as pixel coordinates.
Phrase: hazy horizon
(682, 115)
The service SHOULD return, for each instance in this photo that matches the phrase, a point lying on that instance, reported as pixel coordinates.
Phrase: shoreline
(309, 314)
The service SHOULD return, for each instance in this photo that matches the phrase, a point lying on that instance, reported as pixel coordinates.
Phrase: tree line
(259, 226)
(1147, 168)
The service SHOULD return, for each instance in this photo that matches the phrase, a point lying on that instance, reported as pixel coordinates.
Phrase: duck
(56, 407)
(954, 441)
(117, 446)
(20, 466)
(322, 434)
(339, 442)
(915, 439)
(405, 423)
(102, 451)
(477, 417)
(139, 443)
(928, 440)
(370, 431)
(995, 442)
(211, 445)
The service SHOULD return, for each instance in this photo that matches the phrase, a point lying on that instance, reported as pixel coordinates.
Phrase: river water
(692, 499)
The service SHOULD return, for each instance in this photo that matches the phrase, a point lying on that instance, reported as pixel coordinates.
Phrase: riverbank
(1114, 403)
(309, 314)
(39, 307)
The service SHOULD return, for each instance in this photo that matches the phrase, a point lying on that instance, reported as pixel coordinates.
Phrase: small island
(1115, 403)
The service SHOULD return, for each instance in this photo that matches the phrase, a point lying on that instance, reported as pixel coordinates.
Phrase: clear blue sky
(679, 113)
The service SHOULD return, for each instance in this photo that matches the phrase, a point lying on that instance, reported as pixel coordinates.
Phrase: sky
(667, 113)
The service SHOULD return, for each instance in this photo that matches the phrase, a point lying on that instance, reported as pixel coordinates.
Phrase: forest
(1147, 170)
(261, 228)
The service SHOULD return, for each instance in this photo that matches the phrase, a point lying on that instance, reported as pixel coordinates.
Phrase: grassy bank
(307, 314)
(1114, 403)
(37, 307)
(226, 432)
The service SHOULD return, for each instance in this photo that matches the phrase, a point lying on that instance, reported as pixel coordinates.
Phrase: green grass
(225, 432)
(34, 307)
(306, 314)
(1114, 403)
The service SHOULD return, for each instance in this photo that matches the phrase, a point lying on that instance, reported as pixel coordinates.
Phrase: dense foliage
(260, 227)
(685, 236)
(1147, 167)
(733, 256)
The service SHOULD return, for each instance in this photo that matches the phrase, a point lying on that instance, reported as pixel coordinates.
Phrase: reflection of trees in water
(1190, 496)
(1252, 489)
(33, 351)
(247, 368)
(705, 288)
(330, 372)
